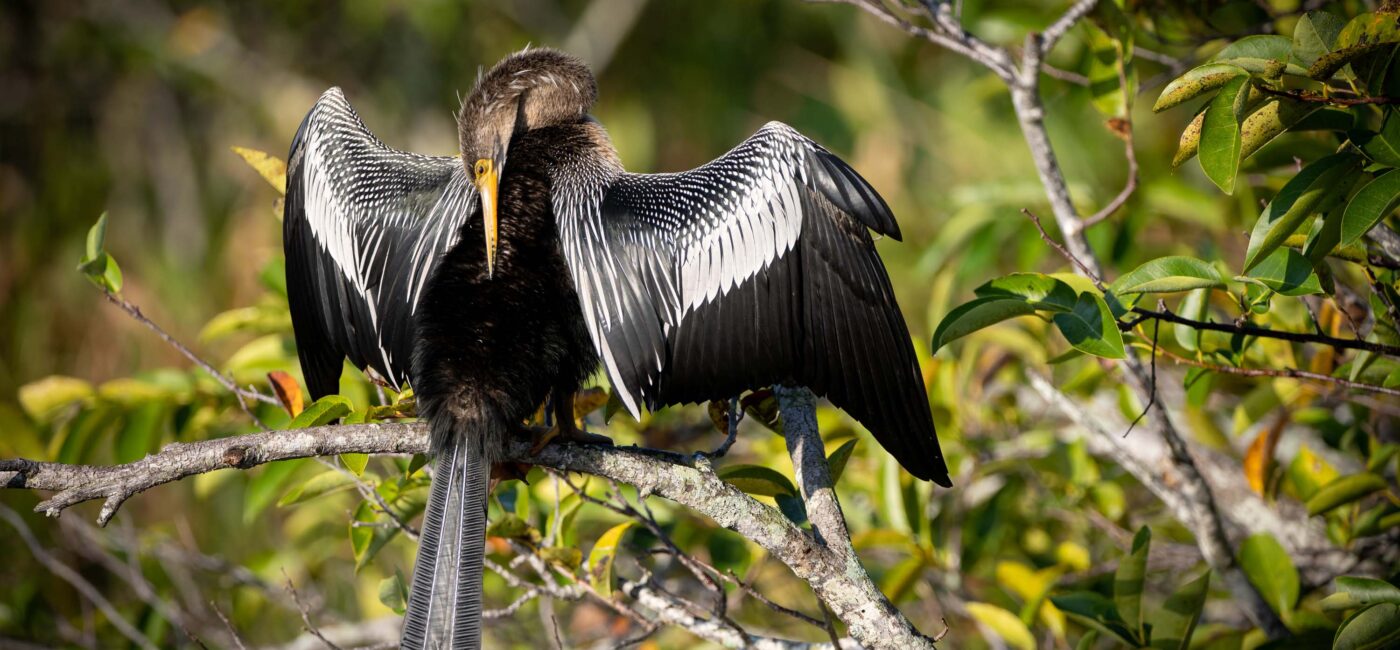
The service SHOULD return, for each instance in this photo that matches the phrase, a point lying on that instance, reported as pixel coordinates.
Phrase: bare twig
(1252, 330)
(1084, 269)
(239, 394)
(1279, 372)
(68, 575)
(306, 614)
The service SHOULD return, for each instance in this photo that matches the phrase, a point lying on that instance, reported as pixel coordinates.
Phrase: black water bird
(495, 280)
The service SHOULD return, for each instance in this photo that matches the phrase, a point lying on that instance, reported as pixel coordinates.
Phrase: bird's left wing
(363, 227)
(754, 269)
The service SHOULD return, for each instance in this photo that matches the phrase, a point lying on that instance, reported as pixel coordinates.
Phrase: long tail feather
(444, 605)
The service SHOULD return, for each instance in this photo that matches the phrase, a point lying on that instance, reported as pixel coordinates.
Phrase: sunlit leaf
(271, 168)
(1196, 82)
(44, 398)
(757, 479)
(1128, 581)
(266, 484)
(1266, 55)
(1005, 624)
(1268, 566)
(1374, 201)
(393, 592)
(1355, 591)
(322, 411)
(1314, 36)
(1174, 622)
(601, 558)
(1306, 193)
(1364, 33)
(1289, 273)
(1374, 628)
(977, 314)
(1219, 150)
(837, 460)
(1344, 490)
(899, 582)
(1169, 275)
(327, 482)
(1044, 292)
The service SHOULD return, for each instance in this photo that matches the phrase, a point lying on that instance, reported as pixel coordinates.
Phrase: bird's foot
(502, 472)
(541, 436)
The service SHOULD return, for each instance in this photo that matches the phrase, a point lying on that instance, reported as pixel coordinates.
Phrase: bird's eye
(480, 169)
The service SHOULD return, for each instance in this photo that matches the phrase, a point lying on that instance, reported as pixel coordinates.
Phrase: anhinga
(497, 279)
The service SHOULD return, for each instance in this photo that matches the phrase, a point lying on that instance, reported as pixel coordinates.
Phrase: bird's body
(513, 272)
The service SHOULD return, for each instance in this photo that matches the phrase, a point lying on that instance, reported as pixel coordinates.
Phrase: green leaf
(1005, 624)
(1091, 328)
(327, 482)
(757, 480)
(1374, 628)
(356, 463)
(1266, 55)
(1314, 36)
(322, 411)
(141, 432)
(1268, 566)
(837, 460)
(1175, 621)
(393, 592)
(1287, 272)
(1190, 142)
(513, 526)
(97, 238)
(1381, 146)
(258, 320)
(1270, 120)
(1042, 291)
(1307, 192)
(104, 272)
(565, 555)
(1323, 238)
(899, 582)
(1365, 33)
(43, 399)
(1195, 306)
(1344, 490)
(977, 314)
(367, 540)
(600, 559)
(1169, 275)
(1373, 202)
(1353, 592)
(1095, 611)
(1196, 82)
(1128, 581)
(1219, 150)
(1106, 59)
(266, 484)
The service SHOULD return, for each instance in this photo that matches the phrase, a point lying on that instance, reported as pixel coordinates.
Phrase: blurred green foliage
(131, 109)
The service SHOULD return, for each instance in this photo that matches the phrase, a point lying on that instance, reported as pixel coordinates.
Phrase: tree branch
(1252, 330)
(849, 593)
(1200, 513)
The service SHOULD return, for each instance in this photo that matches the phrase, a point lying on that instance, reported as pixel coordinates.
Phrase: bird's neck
(582, 163)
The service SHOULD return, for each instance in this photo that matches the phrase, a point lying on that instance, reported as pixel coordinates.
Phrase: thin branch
(68, 575)
(1281, 372)
(1123, 128)
(311, 628)
(227, 382)
(1261, 332)
(1317, 98)
(1083, 268)
(1067, 21)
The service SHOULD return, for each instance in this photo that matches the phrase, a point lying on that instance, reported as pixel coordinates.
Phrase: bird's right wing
(364, 226)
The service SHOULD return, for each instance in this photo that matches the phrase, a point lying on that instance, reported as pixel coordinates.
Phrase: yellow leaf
(270, 167)
(42, 399)
(1072, 555)
(600, 559)
(1259, 460)
(1005, 624)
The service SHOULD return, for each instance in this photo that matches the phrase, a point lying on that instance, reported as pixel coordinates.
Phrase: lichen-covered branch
(872, 621)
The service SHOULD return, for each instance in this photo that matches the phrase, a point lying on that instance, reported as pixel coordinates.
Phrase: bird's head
(526, 90)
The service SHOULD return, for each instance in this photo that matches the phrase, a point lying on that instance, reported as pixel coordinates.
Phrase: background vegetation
(132, 108)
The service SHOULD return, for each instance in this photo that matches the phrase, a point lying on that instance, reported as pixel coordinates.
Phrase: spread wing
(757, 268)
(364, 226)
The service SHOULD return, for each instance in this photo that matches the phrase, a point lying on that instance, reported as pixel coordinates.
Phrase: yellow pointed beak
(486, 185)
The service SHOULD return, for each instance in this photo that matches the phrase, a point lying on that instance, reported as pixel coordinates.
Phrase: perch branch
(850, 594)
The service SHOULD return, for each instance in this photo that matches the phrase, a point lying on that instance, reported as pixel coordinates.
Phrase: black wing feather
(757, 268)
(362, 229)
